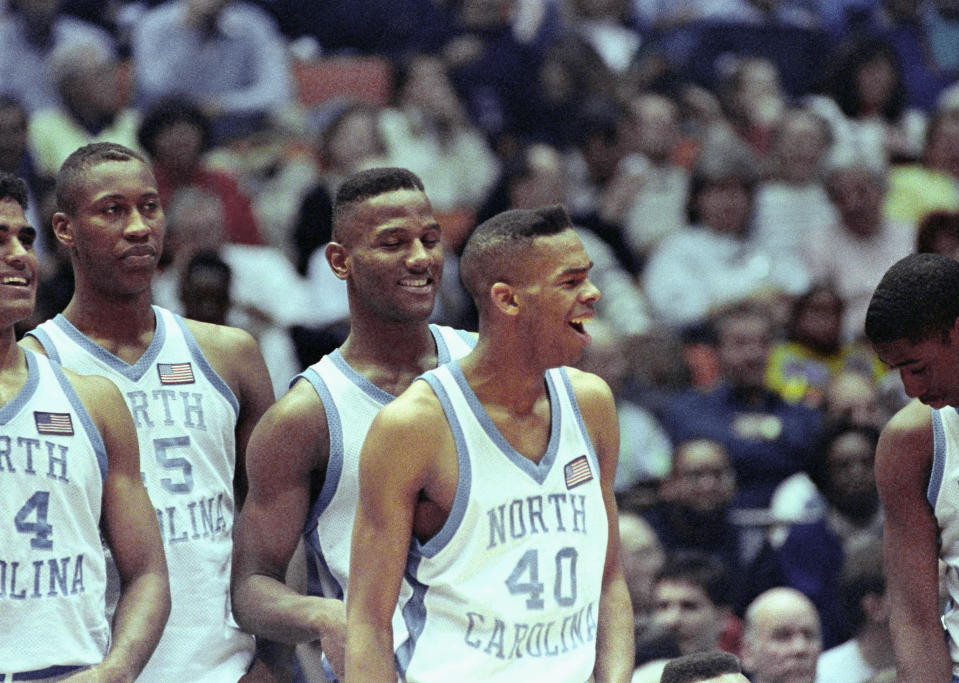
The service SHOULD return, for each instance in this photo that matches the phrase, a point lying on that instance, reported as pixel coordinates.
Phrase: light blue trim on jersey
(414, 616)
(564, 378)
(211, 375)
(132, 372)
(536, 471)
(463, 485)
(42, 336)
(938, 468)
(29, 388)
(96, 440)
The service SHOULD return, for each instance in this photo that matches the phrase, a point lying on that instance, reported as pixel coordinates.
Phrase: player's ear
(504, 298)
(338, 258)
(63, 228)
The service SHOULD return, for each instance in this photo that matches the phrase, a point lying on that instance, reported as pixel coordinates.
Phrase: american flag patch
(175, 373)
(577, 472)
(53, 423)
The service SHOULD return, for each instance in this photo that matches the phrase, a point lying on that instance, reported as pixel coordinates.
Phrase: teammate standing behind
(68, 469)
(195, 391)
(303, 458)
(490, 485)
(913, 323)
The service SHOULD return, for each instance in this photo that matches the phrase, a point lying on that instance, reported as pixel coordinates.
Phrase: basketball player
(490, 484)
(303, 458)
(195, 391)
(913, 323)
(68, 469)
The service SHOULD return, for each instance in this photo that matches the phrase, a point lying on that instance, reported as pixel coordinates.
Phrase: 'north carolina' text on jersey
(52, 566)
(185, 416)
(509, 589)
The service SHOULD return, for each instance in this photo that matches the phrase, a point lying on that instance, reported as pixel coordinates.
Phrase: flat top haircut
(700, 666)
(497, 243)
(367, 184)
(12, 187)
(73, 171)
(917, 299)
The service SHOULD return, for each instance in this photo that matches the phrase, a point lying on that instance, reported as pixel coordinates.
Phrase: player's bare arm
(130, 527)
(910, 543)
(615, 638)
(287, 450)
(405, 454)
(236, 357)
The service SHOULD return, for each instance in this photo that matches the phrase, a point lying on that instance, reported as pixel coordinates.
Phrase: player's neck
(115, 324)
(506, 377)
(13, 367)
(398, 344)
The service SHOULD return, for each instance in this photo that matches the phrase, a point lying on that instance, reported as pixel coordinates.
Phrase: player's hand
(333, 642)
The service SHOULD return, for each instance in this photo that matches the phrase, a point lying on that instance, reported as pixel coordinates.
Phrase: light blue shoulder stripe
(564, 379)
(218, 383)
(96, 440)
(46, 341)
(414, 616)
(938, 457)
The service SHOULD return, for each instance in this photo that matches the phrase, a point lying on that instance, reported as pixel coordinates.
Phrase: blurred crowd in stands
(742, 172)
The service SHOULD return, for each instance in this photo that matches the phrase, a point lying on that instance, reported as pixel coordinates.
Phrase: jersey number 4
(36, 506)
(524, 579)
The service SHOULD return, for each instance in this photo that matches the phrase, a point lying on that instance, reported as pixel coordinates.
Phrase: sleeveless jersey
(185, 416)
(945, 505)
(52, 566)
(509, 588)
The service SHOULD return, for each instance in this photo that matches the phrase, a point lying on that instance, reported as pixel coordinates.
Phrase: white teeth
(14, 281)
(414, 283)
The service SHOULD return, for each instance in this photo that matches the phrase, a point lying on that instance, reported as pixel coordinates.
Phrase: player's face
(18, 263)
(116, 232)
(560, 296)
(685, 610)
(929, 369)
(394, 257)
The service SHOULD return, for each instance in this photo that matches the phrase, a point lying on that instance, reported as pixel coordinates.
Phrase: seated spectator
(428, 131)
(938, 233)
(31, 31)
(933, 183)
(91, 107)
(781, 640)
(715, 260)
(864, 101)
(704, 667)
(855, 397)
(176, 135)
(853, 252)
(642, 557)
(226, 54)
(767, 439)
(752, 97)
(802, 366)
(869, 652)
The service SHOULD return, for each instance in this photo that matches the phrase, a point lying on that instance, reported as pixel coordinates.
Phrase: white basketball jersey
(185, 416)
(509, 589)
(944, 497)
(351, 402)
(52, 567)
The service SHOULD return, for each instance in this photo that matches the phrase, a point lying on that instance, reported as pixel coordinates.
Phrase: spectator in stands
(642, 557)
(17, 159)
(30, 32)
(91, 107)
(751, 93)
(864, 101)
(766, 438)
(715, 261)
(228, 55)
(176, 135)
(918, 189)
(853, 251)
(938, 233)
(802, 366)
(791, 199)
(781, 639)
(869, 651)
(428, 131)
(856, 397)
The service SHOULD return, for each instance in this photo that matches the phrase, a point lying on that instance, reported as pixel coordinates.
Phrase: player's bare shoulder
(99, 396)
(904, 452)
(415, 416)
(593, 394)
(218, 341)
(296, 425)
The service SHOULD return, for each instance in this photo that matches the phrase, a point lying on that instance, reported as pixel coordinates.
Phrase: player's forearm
(269, 608)
(369, 654)
(615, 640)
(921, 651)
(138, 623)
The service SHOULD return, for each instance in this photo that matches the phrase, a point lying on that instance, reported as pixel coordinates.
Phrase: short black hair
(700, 666)
(932, 225)
(78, 164)
(15, 188)
(700, 569)
(496, 242)
(917, 299)
(366, 184)
(170, 111)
